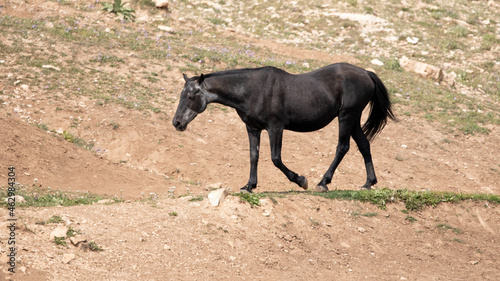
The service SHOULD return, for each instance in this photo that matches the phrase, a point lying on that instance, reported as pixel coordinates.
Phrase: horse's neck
(226, 90)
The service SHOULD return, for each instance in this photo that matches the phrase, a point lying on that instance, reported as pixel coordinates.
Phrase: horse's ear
(185, 77)
(200, 80)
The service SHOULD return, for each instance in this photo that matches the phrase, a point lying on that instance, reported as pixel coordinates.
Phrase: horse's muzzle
(178, 125)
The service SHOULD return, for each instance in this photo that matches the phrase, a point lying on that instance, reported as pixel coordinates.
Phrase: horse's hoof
(321, 188)
(364, 187)
(304, 185)
(245, 189)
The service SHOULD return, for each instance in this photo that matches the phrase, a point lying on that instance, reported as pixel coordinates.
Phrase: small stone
(66, 220)
(216, 185)
(474, 262)
(49, 25)
(75, 240)
(48, 66)
(165, 28)
(23, 269)
(17, 199)
(377, 62)
(59, 232)
(68, 257)
(360, 229)
(25, 87)
(167, 247)
(216, 197)
(105, 201)
(161, 4)
(412, 40)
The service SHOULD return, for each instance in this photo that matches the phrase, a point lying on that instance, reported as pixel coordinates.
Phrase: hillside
(87, 101)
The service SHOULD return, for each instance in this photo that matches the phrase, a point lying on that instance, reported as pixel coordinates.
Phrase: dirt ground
(298, 237)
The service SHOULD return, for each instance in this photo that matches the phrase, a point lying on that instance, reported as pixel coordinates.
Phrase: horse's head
(192, 102)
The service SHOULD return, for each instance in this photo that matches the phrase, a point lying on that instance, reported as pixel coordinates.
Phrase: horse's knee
(342, 149)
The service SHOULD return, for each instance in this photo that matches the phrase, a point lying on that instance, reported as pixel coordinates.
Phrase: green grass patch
(38, 197)
(252, 198)
(413, 200)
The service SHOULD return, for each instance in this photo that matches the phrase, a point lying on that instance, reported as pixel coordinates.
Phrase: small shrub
(123, 13)
(60, 241)
(251, 198)
(55, 219)
(94, 247)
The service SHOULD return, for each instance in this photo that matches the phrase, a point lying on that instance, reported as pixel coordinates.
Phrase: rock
(105, 201)
(25, 87)
(216, 197)
(423, 69)
(23, 269)
(377, 62)
(68, 257)
(165, 28)
(216, 185)
(48, 66)
(412, 40)
(49, 25)
(66, 220)
(161, 4)
(59, 232)
(17, 198)
(449, 78)
(75, 240)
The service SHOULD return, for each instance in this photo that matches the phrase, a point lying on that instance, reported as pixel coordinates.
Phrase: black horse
(271, 99)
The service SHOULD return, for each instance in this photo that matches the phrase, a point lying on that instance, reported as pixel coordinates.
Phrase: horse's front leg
(254, 139)
(275, 139)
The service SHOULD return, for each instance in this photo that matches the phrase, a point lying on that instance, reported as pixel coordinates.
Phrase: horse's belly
(308, 121)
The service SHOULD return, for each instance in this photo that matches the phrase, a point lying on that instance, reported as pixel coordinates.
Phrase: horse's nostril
(176, 123)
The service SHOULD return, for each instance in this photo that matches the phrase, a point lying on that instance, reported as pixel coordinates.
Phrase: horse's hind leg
(346, 123)
(364, 147)
(275, 139)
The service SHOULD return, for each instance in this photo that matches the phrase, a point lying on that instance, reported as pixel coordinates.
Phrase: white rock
(165, 28)
(23, 269)
(377, 62)
(17, 199)
(48, 66)
(216, 197)
(162, 4)
(412, 40)
(59, 232)
(423, 69)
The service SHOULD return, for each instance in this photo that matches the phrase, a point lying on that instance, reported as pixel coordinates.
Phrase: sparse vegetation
(60, 241)
(38, 197)
(55, 219)
(413, 200)
(93, 246)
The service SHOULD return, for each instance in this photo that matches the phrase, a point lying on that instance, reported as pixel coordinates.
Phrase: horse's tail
(380, 109)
